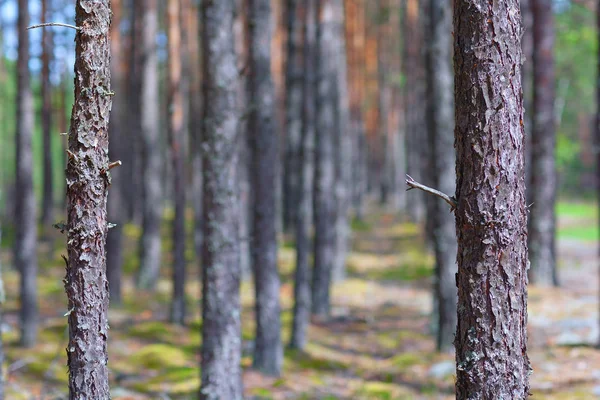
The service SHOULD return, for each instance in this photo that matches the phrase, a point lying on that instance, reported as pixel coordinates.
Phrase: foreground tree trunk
(305, 160)
(542, 190)
(221, 329)
(88, 178)
(48, 198)
(491, 338)
(440, 121)
(324, 184)
(268, 351)
(176, 139)
(25, 213)
(150, 251)
(117, 131)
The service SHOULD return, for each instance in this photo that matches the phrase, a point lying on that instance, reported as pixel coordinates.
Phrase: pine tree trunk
(25, 213)
(48, 198)
(305, 160)
(268, 351)
(150, 251)
(491, 338)
(176, 139)
(542, 190)
(117, 131)
(527, 79)
(221, 329)
(293, 102)
(343, 147)
(324, 184)
(88, 178)
(440, 121)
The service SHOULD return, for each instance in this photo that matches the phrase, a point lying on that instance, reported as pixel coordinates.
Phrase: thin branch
(412, 184)
(53, 24)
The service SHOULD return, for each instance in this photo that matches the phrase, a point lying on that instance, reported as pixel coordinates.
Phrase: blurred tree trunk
(117, 131)
(88, 178)
(195, 116)
(597, 130)
(301, 319)
(385, 96)
(324, 184)
(177, 138)
(293, 102)
(25, 213)
(491, 338)
(152, 165)
(343, 145)
(268, 351)
(542, 190)
(48, 197)
(2, 302)
(221, 329)
(440, 127)
(527, 79)
(414, 120)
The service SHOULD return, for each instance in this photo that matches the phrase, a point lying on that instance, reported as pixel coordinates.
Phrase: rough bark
(301, 312)
(25, 213)
(176, 140)
(491, 339)
(117, 132)
(324, 184)
(221, 330)
(542, 189)
(88, 178)
(343, 146)
(268, 351)
(293, 105)
(150, 244)
(48, 197)
(440, 124)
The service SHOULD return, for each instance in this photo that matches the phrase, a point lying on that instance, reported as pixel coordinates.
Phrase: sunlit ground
(378, 345)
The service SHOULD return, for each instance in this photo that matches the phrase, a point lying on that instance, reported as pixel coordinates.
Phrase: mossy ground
(378, 345)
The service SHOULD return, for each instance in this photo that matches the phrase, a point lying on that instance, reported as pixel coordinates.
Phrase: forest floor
(378, 345)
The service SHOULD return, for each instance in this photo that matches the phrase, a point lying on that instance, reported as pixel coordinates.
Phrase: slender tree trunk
(415, 205)
(301, 317)
(88, 178)
(48, 198)
(343, 146)
(117, 125)
(440, 121)
(176, 138)
(324, 184)
(221, 329)
(150, 251)
(597, 132)
(293, 103)
(2, 301)
(491, 339)
(542, 193)
(268, 351)
(25, 213)
(385, 95)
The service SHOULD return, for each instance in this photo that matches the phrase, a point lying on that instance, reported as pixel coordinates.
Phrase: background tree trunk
(221, 330)
(152, 166)
(324, 185)
(88, 178)
(48, 198)
(176, 138)
(491, 337)
(440, 121)
(542, 190)
(293, 102)
(25, 213)
(527, 79)
(117, 129)
(268, 351)
(305, 161)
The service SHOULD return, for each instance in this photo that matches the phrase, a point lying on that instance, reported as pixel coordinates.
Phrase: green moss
(159, 357)
(577, 210)
(262, 394)
(375, 391)
(306, 361)
(360, 225)
(154, 330)
(587, 232)
(407, 360)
